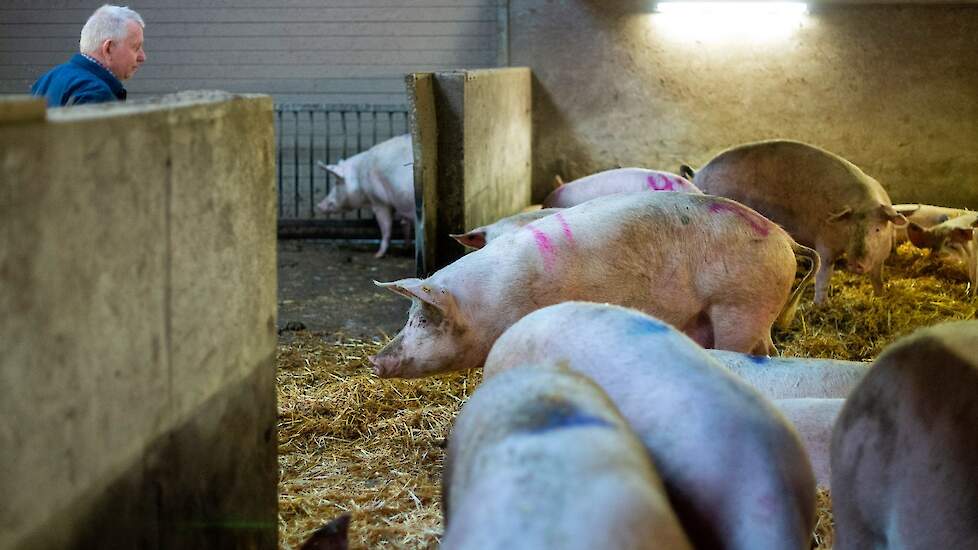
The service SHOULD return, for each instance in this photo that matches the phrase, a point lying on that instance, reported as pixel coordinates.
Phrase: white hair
(107, 23)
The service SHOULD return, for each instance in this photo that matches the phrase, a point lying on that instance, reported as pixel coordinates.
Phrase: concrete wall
(483, 157)
(890, 87)
(137, 281)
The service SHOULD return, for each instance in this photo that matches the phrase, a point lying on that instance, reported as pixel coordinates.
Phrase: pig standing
(823, 200)
(904, 449)
(955, 239)
(794, 377)
(480, 236)
(382, 178)
(540, 458)
(618, 180)
(710, 266)
(735, 471)
(924, 215)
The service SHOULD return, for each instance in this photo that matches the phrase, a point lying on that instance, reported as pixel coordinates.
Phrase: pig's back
(794, 184)
(619, 180)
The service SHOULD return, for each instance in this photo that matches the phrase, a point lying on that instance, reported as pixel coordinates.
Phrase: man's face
(126, 55)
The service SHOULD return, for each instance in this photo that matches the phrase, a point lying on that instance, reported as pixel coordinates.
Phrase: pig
(618, 180)
(904, 448)
(813, 419)
(710, 266)
(823, 200)
(924, 215)
(382, 178)
(955, 240)
(332, 536)
(539, 457)
(794, 377)
(478, 237)
(734, 469)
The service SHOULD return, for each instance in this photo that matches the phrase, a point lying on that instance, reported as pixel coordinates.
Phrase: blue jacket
(78, 81)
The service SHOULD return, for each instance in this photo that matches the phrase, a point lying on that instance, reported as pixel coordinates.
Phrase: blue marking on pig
(648, 325)
(759, 359)
(561, 418)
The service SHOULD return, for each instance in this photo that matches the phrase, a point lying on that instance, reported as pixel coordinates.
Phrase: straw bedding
(350, 442)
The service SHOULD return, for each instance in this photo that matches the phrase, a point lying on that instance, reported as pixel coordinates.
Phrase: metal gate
(306, 133)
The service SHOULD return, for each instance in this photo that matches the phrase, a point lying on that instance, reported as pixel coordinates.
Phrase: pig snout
(857, 266)
(384, 366)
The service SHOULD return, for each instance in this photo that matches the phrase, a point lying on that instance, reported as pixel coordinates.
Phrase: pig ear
(423, 290)
(335, 169)
(558, 181)
(962, 234)
(843, 214)
(906, 208)
(917, 235)
(890, 214)
(473, 239)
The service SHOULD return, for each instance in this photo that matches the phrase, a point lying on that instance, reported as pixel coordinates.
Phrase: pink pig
(539, 457)
(924, 215)
(904, 448)
(382, 178)
(823, 200)
(619, 180)
(955, 239)
(735, 471)
(716, 269)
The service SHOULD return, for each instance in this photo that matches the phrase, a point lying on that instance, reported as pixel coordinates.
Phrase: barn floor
(349, 442)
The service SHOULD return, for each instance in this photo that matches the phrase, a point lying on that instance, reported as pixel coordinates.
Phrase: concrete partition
(479, 123)
(137, 285)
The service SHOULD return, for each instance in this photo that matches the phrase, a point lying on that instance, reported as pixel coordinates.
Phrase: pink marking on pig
(758, 224)
(657, 184)
(565, 227)
(545, 247)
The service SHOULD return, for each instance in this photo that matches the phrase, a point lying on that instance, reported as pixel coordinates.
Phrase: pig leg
(736, 329)
(876, 277)
(383, 215)
(824, 274)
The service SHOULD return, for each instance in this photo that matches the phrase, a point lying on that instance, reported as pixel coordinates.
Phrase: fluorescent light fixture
(731, 8)
(726, 23)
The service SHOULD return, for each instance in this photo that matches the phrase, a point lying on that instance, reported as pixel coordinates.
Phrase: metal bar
(278, 167)
(312, 149)
(326, 156)
(359, 149)
(343, 127)
(295, 165)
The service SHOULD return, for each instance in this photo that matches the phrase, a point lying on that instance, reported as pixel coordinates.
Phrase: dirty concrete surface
(327, 286)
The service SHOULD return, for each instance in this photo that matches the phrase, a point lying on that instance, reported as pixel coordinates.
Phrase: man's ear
(473, 239)
(423, 290)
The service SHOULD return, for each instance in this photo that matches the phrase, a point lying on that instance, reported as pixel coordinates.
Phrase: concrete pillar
(137, 281)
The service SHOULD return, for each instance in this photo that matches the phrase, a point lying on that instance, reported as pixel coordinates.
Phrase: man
(111, 50)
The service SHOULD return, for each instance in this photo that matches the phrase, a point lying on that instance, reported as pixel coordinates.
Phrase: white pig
(924, 215)
(823, 200)
(794, 377)
(713, 267)
(478, 237)
(814, 418)
(734, 469)
(540, 458)
(955, 240)
(382, 178)
(905, 446)
(618, 180)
